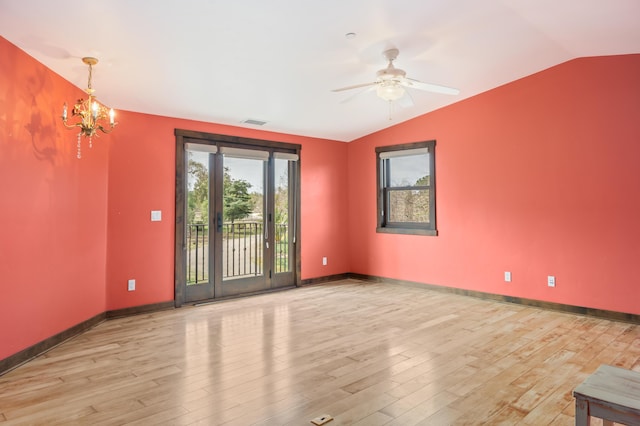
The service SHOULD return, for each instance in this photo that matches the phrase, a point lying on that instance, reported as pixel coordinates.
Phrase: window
(406, 188)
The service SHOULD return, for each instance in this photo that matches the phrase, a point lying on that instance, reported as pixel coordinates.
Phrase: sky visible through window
(246, 169)
(249, 170)
(405, 171)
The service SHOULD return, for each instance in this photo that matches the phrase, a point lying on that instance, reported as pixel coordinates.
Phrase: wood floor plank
(424, 409)
(374, 419)
(509, 415)
(304, 412)
(365, 353)
(444, 416)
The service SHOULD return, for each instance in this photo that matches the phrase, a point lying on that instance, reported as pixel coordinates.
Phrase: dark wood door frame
(188, 136)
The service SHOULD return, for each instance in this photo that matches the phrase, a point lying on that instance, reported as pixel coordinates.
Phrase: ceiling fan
(390, 82)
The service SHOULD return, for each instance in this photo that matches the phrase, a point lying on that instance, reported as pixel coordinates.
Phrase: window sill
(407, 231)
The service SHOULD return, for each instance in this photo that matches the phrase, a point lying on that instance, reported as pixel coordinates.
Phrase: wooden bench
(610, 393)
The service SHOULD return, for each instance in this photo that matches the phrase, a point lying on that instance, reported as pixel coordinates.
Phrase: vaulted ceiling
(277, 61)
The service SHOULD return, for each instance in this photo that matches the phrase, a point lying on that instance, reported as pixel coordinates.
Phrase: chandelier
(91, 116)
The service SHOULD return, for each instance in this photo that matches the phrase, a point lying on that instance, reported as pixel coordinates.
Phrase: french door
(237, 211)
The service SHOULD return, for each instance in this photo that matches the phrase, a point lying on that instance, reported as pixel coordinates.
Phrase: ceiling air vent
(255, 122)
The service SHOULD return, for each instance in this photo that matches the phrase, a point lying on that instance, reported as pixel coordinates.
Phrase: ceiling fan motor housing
(390, 79)
(391, 73)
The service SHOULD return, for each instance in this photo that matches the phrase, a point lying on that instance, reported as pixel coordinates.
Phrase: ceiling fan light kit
(390, 91)
(391, 81)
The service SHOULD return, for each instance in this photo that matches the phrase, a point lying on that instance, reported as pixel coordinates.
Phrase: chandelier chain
(90, 75)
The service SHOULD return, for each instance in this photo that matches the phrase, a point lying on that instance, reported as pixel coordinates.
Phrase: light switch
(156, 215)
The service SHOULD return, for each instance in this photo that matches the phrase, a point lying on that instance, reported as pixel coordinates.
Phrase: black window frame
(383, 188)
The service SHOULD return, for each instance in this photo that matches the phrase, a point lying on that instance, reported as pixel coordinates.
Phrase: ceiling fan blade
(357, 94)
(405, 101)
(435, 88)
(354, 87)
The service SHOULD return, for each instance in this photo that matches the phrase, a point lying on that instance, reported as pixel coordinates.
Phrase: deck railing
(242, 250)
(197, 253)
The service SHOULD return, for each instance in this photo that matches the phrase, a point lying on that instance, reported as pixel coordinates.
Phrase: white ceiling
(278, 60)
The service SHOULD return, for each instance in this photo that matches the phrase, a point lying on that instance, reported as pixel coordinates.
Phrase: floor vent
(325, 418)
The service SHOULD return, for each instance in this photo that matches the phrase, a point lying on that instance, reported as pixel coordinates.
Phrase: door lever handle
(219, 221)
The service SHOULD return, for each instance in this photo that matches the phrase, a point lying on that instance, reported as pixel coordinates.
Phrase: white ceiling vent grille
(254, 122)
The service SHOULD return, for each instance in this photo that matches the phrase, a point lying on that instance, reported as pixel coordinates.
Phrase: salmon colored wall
(53, 208)
(73, 231)
(538, 177)
(142, 178)
(324, 206)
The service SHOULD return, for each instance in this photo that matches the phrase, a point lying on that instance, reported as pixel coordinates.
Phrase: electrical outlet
(324, 261)
(507, 276)
(131, 285)
(551, 281)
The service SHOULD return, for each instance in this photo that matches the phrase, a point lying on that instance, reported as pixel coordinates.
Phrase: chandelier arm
(71, 126)
(103, 130)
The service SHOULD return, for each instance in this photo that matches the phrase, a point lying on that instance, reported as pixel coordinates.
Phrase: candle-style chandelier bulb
(91, 116)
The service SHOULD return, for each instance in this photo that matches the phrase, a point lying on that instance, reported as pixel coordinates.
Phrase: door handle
(219, 221)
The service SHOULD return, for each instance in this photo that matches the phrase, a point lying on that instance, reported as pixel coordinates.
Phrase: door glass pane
(282, 216)
(243, 219)
(197, 218)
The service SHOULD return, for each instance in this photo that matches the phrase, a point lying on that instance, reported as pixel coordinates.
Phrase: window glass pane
(242, 211)
(197, 217)
(409, 206)
(282, 218)
(409, 170)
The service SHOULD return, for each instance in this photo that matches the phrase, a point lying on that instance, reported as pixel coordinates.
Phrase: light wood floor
(365, 353)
